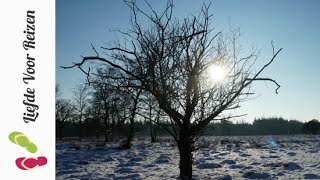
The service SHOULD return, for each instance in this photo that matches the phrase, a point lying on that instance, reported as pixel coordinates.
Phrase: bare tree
(151, 113)
(111, 91)
(132, 109)
(170, 58)
(58, 91)
(64, 111)
(81, 102)
(97, 115)
(102, 99)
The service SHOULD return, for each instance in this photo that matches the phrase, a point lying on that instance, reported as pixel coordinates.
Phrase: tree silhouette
(169, 58)
(312, 126)
(103, 96)
(134, 97)
(64, 112)
(151, 113)
(81, 102)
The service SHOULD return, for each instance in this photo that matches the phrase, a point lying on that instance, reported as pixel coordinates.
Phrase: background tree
(111, 89)
(64, 112)
(81, 102)
(103, 96)
(172, 59)
(96, 114)
(295, 127)
(274, 125)
(133, 105)
(226, 126)
(58, 91)
(152, 114)
(312, 127)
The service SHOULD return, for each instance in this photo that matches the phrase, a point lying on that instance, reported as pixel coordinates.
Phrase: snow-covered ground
(241, 157)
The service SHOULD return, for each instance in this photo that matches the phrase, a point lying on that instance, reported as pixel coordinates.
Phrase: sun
(216, 73)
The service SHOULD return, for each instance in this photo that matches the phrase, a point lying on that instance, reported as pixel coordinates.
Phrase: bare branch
(266, 79)
(95, 50)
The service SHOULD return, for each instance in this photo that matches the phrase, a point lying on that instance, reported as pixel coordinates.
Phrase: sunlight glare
(216, 73)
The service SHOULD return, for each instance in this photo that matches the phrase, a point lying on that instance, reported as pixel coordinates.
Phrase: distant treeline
(260, 126)
(264, 126)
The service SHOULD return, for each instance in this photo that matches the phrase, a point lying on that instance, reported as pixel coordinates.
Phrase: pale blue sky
(293, 25)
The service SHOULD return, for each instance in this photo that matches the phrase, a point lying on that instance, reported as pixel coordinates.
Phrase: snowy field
(242, 157)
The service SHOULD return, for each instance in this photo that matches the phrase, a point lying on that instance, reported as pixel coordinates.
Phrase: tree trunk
(106, 122)
(131, 133)
(80, 131)
(153, 134)
(60, 131)
(106, 132)
(112, 126)
(127, 144)
(97, 134)
(185, 145)
(86, 128)
(80, 128)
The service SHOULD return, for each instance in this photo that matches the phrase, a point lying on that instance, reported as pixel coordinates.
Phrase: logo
(27, 163)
